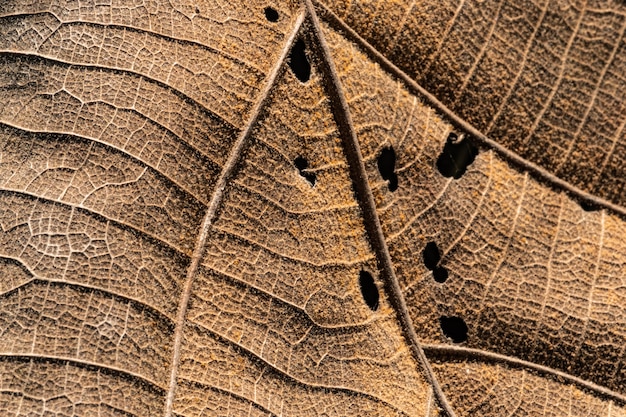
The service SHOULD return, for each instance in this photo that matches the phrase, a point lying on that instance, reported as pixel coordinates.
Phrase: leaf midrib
(358, 174)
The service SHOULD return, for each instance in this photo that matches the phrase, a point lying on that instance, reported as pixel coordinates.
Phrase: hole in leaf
(440, 274)
(298, 62)
(588, 205)
(457, 155)
(302, 165)
(369, 290)
(197, 10)
(271, 14)
(431, 255)
(454, 328)
(387, 167)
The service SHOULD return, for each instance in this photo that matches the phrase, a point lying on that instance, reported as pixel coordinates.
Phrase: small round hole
(271, 14)
(454, 328)
(369, 290)
(431, 255)
(302, 165)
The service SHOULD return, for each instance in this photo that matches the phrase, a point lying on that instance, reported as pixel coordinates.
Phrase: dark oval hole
(387, 167)
(271, 14)
(431, 255)
(298, 62)
(454, 328)
(302, 165)
(440, 274)
(588, 205)
(369, 290)
(456, 156)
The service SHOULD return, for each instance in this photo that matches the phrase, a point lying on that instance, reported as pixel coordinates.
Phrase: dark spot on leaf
(387, 167)
(431, 255)
(298, 62)
(271, 14)
(197, 10)
(302, 165)
(454, 328)
(588, 205)
(440, 274)
(457, 155)
(369, 290)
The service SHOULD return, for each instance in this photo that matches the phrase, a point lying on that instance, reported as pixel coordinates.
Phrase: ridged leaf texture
(302, 208)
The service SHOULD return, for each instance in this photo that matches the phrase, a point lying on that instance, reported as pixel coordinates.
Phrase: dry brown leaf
(192, 225)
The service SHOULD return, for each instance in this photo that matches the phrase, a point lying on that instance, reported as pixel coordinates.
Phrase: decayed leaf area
(295, 208)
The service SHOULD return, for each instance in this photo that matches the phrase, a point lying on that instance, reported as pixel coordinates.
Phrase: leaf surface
(196, 220)
(545, 78)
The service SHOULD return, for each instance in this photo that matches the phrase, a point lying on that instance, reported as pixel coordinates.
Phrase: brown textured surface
(485, 389)
(532, 274)
(161, 254)
(544, 78)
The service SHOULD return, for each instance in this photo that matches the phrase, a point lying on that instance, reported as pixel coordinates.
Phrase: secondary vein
(215, 202)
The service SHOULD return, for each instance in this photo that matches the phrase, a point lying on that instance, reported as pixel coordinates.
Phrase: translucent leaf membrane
(276, 318)
(531, 274)
(545, 79)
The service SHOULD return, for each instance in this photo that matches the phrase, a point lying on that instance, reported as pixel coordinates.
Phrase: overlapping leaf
(184, 222)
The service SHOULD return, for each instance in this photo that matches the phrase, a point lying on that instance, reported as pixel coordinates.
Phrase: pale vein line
(616, 139)
(140, 32)
(594, 97)
(277, 204)
(215, 202)
(80, 363)
(505, 251)
(444, 352)
(596, 273)
(560, 78)
(479, 205)
(358, 175)
(444, 37)
(236, 281)
(253, 402)
(285, 375)
(58, 135)
(275, 252)
(480, 56)
(429, 401)
(401, 25)
(549, 279)
(96, 215)
(522, 66)
(138, 304)
(138, 75)
(412, 220)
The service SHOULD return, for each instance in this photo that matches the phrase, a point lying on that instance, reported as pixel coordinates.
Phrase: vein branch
(508, 155)
(449, 352)
(214, 204)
